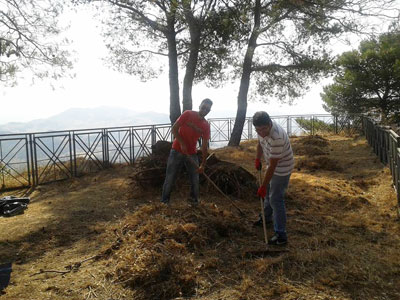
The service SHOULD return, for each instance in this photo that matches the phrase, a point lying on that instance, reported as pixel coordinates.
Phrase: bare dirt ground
(100, 237)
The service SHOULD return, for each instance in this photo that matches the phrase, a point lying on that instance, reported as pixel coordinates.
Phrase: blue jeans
(274, 204)
(174, 164)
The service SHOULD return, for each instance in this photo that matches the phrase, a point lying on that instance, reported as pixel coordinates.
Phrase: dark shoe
(259, 222)
(193, 202)
(166, 203)
(276, 240)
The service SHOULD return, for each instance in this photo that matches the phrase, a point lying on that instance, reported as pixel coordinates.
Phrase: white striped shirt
(277, 145)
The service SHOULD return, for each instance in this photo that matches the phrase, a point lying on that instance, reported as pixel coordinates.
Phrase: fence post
(229, 128)
(133, 144)
(370, 132)
(74, 151)
(153, 135)
(250, 131)
(71, 154)
(106, 156)
(391, 152)
(35, 162)
(376, 140)
(336, 123)
(32, 161)
(387, 144)
(348, 126)
(397, 174)
(380, 147)
(312, 125)
(288, 126)
(130, 147)
(362, 125)
(382, 144)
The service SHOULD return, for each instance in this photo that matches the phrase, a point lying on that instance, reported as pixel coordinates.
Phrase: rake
(268, 251)
(216, 187)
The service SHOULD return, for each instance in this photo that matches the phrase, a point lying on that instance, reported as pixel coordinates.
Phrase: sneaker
(276, 240)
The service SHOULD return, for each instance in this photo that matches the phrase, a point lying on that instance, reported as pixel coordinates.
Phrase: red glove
(258, 164)
(262, 191)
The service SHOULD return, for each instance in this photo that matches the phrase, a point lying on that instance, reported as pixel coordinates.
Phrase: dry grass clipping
(156, 258)
(342, 227)
(314, 140)
(318, 163)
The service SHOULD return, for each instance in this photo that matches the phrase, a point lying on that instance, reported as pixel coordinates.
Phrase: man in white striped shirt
(274, 143)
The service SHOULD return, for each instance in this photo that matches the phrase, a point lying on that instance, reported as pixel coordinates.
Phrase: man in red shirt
(189, 127)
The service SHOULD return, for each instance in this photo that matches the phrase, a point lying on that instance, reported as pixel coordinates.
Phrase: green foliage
(291, 52)
(314, 125)
(224, 32)
(137, 36)
(368, 79)
(26, 33)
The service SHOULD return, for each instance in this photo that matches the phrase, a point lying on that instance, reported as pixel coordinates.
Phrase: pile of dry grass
(318, 163)
(309, 150)
(314, 154)
(314, 140)
(156, 257)
(310, 145)
(231, 178)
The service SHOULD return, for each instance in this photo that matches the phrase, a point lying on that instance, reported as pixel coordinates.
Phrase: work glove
(262, 191)
(257, 164)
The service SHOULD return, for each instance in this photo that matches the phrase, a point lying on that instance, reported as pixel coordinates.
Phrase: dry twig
(73, 267)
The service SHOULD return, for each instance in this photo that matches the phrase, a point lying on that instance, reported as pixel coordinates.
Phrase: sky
(96, 85)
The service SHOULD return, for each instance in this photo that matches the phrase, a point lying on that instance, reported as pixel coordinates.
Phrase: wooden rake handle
(216, 187)
(262, 210)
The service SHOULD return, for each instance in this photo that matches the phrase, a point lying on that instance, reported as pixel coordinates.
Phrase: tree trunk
(174, 105)
(384, 105)
(195, 35)
(189, 75)
(245, 80)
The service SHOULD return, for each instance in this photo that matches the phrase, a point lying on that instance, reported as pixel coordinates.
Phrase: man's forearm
(268, 175)
(270, 171)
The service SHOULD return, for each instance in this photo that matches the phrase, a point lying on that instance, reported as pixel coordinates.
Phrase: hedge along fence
(30, 159)
(386, 145)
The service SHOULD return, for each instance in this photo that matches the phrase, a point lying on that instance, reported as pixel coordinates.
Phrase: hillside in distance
(86, 118)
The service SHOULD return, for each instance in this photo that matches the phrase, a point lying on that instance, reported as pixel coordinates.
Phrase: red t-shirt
(192, 127)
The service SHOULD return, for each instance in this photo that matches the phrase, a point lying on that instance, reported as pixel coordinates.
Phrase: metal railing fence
(386, 145)
(30, 159)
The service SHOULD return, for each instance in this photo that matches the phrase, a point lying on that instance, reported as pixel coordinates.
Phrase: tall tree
(27, 31)
(368, 79)
(137, 31)
(286, 49)
(216, 31)
(196, 15)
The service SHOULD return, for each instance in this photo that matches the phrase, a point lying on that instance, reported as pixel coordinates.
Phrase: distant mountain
(86, 118)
